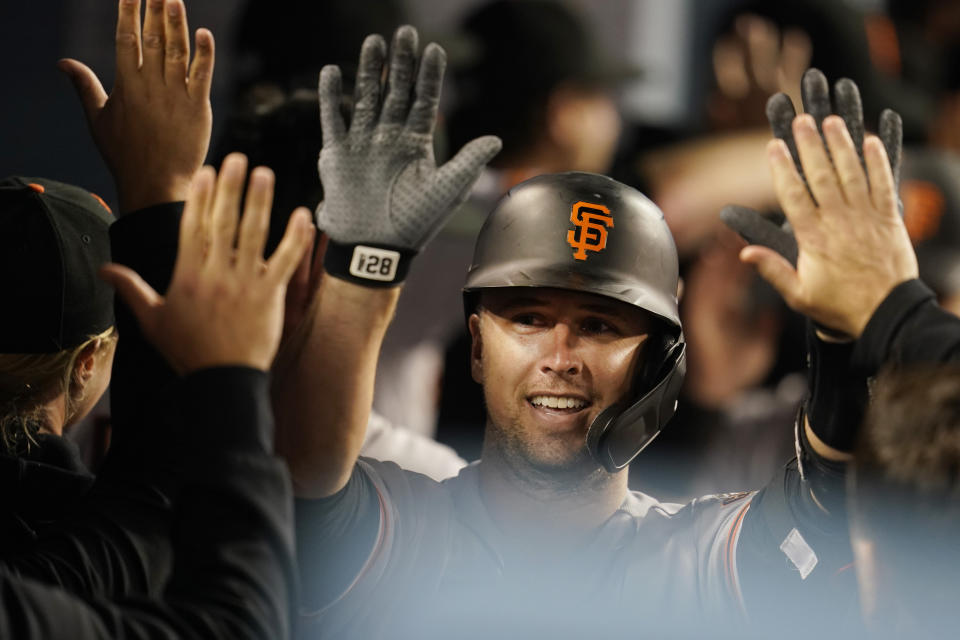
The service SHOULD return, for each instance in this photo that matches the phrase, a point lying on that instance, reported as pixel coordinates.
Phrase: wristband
(838, 393)
(370, 265)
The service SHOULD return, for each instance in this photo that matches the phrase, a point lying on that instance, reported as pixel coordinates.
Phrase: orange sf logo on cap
(592, 221)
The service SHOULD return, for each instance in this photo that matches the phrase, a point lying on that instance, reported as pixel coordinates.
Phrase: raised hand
(815, 92)
(853, 246)
(753, 61)
(153, 130)
(385, 198)
(225, 304)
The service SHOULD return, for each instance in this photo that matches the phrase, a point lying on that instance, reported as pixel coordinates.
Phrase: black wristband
(370, 265)
(838, 393)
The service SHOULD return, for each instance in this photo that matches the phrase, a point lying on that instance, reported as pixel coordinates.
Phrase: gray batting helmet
(586, 232)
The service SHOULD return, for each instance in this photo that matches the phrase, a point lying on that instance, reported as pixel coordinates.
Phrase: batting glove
(385, 198)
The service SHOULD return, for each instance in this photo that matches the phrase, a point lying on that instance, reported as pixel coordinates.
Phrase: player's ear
(476, 348)
(85, 363)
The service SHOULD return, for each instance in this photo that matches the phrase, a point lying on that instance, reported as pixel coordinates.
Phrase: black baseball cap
(53, 239)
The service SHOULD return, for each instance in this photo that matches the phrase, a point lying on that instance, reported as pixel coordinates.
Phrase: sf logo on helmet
(591, 221)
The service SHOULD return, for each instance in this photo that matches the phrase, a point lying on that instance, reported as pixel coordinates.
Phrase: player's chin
(557, 457)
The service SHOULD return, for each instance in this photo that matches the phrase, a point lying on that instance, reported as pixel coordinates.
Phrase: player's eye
(528, 319)
(597, 326)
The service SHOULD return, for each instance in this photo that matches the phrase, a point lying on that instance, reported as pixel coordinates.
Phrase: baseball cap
(53, 239)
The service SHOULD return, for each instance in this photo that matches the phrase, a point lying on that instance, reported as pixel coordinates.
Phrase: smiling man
(571, 301)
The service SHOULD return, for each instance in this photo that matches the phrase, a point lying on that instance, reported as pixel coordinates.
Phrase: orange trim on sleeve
(730, 556)
(374, 552)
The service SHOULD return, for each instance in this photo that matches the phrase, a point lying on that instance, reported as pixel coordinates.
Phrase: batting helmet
(586, 232)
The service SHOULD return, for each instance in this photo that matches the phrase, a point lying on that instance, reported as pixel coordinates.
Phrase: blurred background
(45, 134)
(666, 95)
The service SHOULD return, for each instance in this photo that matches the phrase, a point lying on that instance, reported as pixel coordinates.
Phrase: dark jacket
(186, 531)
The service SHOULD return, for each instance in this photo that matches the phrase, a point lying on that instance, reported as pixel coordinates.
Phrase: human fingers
(373, 53)
(225, 208)
(201, 69)
(423, 114)
(466, 165)
(153, 39)
(780, 115)
(776, 270)
(256, 221)
(849, 171)
(846, 96)
(883, 190)
(330, 88)
(127, 40)
(816, 95)
(757, 229)
(403, 63)
(298, 287)
(319, 251)
(86, 84)
(297, 238)
(817, 167)
(891, 134)
(795, 55)
(729, 67)
(142, 299)
(176, 49)
(763, 47)
(193, 231)
(792, 193)
(462, 170)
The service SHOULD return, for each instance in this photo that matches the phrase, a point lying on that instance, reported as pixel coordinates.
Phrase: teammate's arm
(828, 179)
(218, 326)
(153, 129)
(384, 198)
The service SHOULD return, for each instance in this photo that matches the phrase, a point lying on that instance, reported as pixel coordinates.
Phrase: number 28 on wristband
(372, 263)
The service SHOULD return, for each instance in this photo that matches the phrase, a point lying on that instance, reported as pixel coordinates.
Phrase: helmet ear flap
(656, 361)
(620, 432)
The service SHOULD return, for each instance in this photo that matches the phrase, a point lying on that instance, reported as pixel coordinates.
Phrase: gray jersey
(442, 568)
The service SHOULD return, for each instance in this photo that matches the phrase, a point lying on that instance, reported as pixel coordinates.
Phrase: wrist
(357, 304)
(367, 264)
(139, 194)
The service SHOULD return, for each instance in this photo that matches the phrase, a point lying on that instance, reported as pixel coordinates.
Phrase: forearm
(323, 388)
(145, 241)
(908, 327)
(232, 531)
(837, 400)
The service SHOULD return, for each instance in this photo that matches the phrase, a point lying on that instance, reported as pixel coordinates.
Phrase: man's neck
(559, 510)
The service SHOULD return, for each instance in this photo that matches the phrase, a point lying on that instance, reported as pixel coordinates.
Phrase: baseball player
(571, 303)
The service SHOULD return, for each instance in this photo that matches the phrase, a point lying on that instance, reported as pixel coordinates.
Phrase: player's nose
(560, 351)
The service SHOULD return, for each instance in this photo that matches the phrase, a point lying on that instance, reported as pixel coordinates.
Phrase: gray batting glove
(385, 197)
(815, 92)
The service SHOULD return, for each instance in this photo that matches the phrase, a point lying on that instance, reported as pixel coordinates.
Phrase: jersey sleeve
(793, 555)
(909, 327)
(413, 527)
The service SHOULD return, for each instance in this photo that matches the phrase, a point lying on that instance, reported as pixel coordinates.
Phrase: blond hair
(27, 382)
